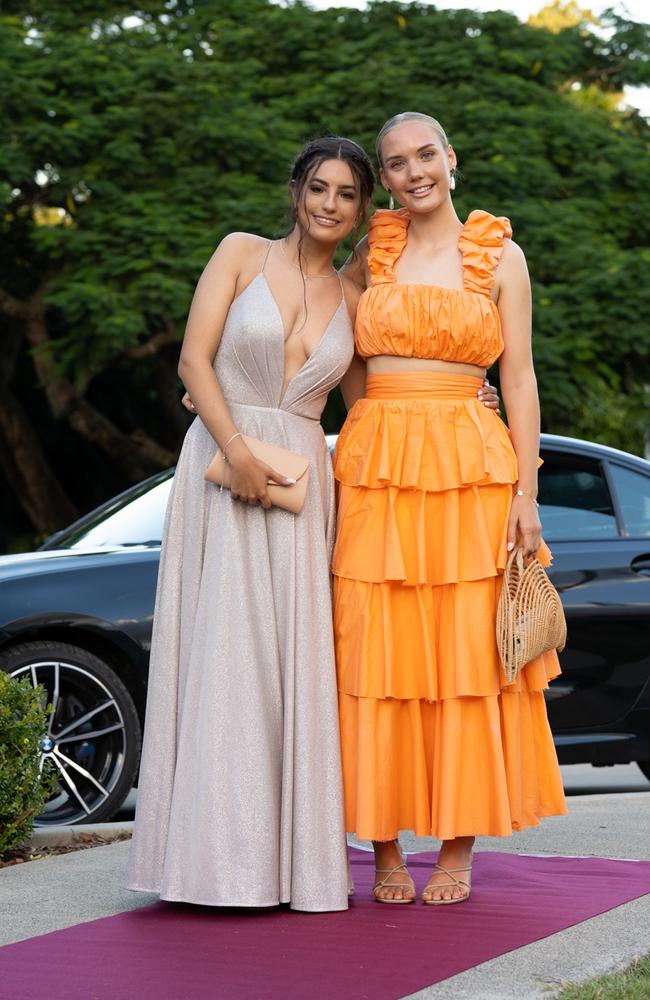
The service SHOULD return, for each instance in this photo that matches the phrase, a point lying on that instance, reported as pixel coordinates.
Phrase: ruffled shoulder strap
(481, 244)
(387, 233)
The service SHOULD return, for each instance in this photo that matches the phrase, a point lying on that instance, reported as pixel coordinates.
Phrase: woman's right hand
(249, 478)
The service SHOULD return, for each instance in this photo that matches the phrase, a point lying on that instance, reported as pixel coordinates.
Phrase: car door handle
(641, 564)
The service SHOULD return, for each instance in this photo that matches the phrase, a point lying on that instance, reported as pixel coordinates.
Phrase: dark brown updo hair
(332, 147)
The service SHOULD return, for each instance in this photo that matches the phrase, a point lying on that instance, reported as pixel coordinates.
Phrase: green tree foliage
(134, 140)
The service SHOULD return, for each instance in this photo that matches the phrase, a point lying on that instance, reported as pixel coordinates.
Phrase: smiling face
(328, 202)
(416, 166)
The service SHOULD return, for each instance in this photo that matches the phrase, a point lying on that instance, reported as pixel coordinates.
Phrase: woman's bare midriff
(385, 363)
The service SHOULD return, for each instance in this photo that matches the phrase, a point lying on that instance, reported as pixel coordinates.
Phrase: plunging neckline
(286, 383)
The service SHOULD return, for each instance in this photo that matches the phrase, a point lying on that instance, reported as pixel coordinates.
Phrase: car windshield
(133, 518)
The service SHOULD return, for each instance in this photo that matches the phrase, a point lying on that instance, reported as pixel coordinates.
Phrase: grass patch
(630, 984)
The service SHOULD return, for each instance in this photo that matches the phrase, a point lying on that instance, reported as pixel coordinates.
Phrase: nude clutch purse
(530, 616)
(285, 463)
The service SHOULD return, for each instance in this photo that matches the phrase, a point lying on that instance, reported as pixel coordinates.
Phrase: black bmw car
(76, 617)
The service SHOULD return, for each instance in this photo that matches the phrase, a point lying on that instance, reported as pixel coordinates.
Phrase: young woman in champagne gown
(433, 493)
(240, 798)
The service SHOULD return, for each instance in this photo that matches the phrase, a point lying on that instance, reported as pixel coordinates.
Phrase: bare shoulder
(512, 270)
(356, 266)
(362, 248)
(245, 241)
(241, 247)
(237, 256)
(513, 257)
(361, 253)
(352, 292)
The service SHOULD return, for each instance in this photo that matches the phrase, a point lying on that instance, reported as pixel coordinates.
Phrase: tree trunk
(27, 471)
(136, 455)
(169, 391)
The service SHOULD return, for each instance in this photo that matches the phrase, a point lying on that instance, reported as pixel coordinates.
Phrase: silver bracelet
(229, 441)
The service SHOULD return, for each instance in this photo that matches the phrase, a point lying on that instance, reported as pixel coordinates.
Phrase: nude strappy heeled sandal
(453, 881)
(384, 883)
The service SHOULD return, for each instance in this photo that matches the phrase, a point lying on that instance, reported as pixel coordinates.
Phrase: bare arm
(213, 297)
(519, 389)
(353, 383)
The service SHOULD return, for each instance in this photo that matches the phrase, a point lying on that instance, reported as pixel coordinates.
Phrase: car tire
(93, 738)
(645, 767)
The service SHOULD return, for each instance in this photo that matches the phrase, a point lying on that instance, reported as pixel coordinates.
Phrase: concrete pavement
(57, 892)
(611, 826)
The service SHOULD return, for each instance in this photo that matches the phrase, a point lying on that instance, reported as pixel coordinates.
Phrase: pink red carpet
(172, 951)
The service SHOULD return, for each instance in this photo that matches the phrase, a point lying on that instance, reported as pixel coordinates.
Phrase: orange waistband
(421, 385)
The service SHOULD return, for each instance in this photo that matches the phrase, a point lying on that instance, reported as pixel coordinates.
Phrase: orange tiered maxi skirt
(433, 739)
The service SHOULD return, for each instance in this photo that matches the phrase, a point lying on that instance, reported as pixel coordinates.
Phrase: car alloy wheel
(92, 739)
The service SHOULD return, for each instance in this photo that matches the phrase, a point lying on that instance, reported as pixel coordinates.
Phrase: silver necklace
(331, 274)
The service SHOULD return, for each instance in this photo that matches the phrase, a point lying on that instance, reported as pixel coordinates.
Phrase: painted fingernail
(511, 546)
(291, 482)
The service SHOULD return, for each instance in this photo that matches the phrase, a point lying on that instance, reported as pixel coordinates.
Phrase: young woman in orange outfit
(433, 492)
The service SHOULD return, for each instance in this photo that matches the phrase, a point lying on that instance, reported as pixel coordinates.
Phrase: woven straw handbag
(530, 617)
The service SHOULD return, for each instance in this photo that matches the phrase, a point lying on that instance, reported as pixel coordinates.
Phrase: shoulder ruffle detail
(486, 229)
(387, 232)
(481, 244)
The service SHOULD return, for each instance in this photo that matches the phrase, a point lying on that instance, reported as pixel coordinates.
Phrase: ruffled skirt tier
(433, 738)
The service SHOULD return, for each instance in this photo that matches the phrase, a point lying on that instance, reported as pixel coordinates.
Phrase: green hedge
(23, 791)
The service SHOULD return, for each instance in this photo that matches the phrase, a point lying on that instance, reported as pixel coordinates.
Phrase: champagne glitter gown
(240, 793)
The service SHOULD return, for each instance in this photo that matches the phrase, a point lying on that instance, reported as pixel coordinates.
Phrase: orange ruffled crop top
(429, 321)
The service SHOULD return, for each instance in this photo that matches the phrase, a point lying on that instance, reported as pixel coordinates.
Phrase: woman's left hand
(487, 394)
(187, 403)
(524, 526)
